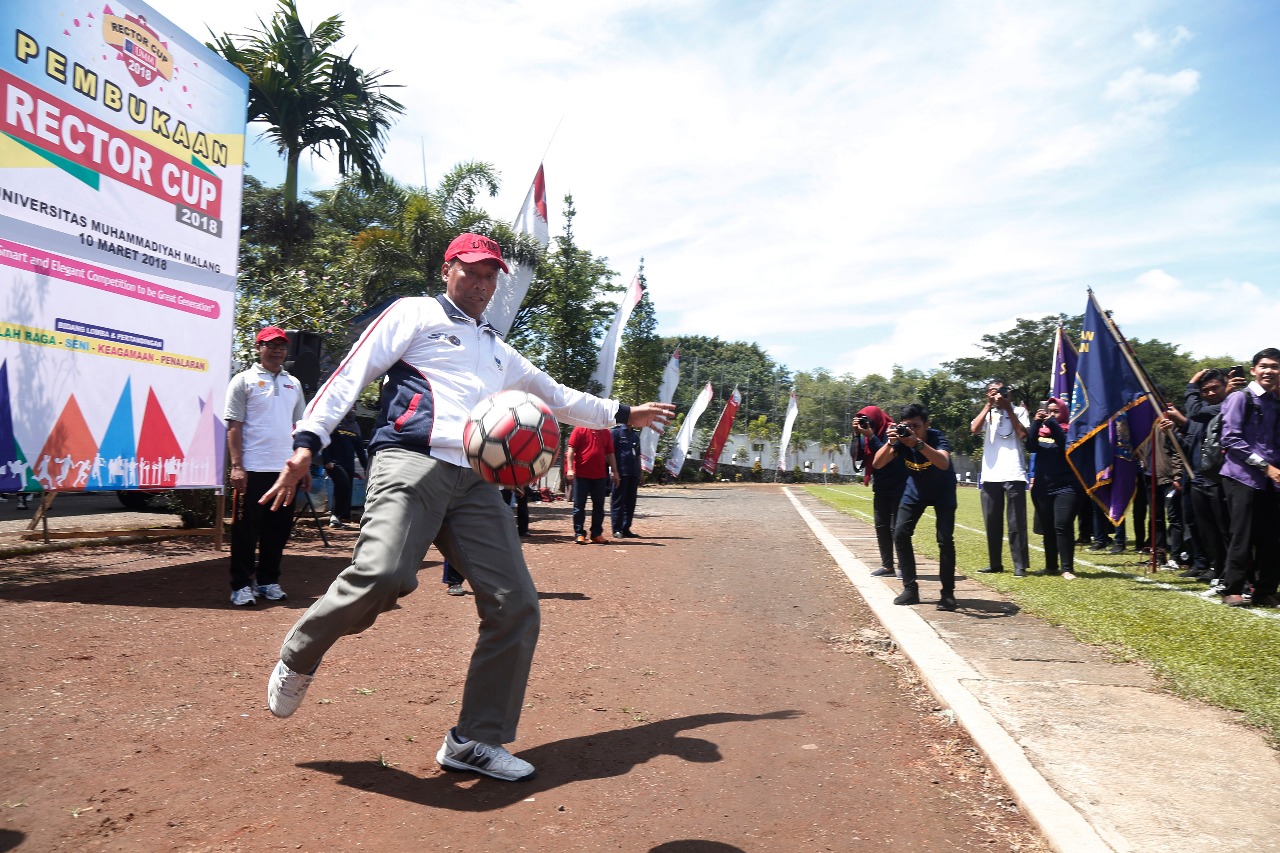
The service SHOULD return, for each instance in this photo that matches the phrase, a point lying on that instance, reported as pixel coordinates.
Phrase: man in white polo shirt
(263, 404)
(1004, 477)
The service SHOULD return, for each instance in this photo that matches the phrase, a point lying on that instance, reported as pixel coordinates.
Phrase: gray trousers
(998, 501)
(414, 500)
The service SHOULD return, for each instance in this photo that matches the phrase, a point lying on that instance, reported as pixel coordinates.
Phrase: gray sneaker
(487, 758)
(456, 589)
(243, 597)
(286, 689)
(271, 592)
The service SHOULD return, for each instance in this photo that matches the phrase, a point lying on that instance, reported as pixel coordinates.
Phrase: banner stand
(217, 532)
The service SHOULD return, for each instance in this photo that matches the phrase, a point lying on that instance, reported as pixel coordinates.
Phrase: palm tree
(312, 98)
(402, 232)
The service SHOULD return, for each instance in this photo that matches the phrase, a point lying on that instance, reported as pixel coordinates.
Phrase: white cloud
(1150, 41)
(851, 185)
(1152, 93)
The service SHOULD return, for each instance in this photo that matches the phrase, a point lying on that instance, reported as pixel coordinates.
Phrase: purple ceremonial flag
(1063, 380)
(1111, 417)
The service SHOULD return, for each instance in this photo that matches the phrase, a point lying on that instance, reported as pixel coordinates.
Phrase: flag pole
(1153, 396)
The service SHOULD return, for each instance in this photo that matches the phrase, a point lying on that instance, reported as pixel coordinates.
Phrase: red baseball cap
(270, 333)
(475, 247)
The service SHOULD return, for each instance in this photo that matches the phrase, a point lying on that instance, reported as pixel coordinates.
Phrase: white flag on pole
(684, 438)
(513, 286)
(792, 411)
(666, 393)
(613, 338)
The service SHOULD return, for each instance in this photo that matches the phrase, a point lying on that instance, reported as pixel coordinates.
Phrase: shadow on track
(562, 762)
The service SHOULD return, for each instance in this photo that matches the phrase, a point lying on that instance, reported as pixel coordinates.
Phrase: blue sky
(854, 185)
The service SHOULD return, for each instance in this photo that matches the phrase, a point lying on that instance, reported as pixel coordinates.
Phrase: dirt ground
(713, 686)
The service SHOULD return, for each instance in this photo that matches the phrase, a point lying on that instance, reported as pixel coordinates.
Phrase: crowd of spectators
(1206, 504)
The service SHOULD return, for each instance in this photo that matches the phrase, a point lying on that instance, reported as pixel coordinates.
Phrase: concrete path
(1094, 751)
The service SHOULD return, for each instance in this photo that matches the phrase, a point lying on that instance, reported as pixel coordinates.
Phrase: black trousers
(341, 492)
(1255, 539)
(595, 488)
(1142, 522)
(905, 527)
(1057, 520)
(1212, 528)
(522, 509)
(622, 503)
(884, 515)
(998, 501)
(258, 531)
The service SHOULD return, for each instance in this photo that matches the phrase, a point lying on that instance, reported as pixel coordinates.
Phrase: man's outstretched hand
(650, 414)
(294, 477)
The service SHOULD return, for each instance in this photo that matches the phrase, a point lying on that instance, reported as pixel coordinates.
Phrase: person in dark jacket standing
(931, 483)
(1055, 490)
(622, 502)
(340, 464)
(870, 433)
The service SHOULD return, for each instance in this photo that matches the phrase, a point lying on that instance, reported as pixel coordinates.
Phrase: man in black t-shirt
(931, 482)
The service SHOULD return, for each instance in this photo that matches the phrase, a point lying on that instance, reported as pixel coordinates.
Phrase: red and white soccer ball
(511, 438)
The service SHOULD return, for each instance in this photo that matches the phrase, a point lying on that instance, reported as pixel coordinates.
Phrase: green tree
(1167, 367)
(561, 324)
(310, 97)
(764, 385)
(1022, 357)
(643, 356)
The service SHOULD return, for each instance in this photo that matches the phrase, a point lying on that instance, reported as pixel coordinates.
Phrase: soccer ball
(511, 438)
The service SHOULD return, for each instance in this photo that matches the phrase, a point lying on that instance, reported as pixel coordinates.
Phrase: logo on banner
(139, 47)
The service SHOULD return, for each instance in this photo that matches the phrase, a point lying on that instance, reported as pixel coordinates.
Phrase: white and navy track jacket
(439, 364)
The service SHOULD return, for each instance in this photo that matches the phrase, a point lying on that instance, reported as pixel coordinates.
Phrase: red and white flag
(513, 286)
(684, 438)
(666, 393)
(613, 338)
(711, 459)
(787, 424)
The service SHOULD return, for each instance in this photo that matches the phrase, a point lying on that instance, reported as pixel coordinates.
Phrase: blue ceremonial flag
(1063, 380)
(1113, 415)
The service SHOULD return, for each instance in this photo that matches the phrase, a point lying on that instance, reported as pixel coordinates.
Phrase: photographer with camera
(870, 433)
(1004, 477)
(931, 482)
(1056, 489)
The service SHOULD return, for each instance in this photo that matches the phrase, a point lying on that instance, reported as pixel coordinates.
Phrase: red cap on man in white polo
(475, 247)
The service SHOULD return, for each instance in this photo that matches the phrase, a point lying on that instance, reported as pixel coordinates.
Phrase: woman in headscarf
(1054, 489)
(870, 433)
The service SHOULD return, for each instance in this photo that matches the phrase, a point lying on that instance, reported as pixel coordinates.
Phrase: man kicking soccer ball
(440, 358)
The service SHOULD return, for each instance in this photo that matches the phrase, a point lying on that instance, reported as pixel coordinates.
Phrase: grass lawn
(1223, 655)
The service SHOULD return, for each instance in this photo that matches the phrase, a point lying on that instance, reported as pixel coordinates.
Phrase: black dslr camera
(862, 421)
(902, 430)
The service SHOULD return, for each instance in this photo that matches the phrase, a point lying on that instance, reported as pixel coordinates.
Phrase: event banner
(121, 162)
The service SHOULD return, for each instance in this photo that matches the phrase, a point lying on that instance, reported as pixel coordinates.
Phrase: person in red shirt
(589, 463)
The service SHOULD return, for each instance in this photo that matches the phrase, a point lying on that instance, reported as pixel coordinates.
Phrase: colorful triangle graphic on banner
(117, 449)
(204, 452)
(66, 460)
(159, 454)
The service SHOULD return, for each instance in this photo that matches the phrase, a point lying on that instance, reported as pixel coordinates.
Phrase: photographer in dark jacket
(1055, 491)
(931, 483)
(870, 433)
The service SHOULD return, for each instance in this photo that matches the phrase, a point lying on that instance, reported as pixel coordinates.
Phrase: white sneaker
(286, 688)
(487, 758)
(243, 597)
(271, 592)
(336, 523)
(456, 589)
